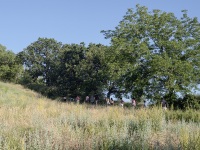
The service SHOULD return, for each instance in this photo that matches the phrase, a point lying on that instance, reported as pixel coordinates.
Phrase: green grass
(30, 121)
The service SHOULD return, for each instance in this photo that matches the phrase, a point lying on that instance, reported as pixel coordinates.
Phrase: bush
(190, 102)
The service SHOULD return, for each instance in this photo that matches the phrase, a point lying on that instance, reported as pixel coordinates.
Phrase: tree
(41, 60)
(41, 63)
(93, 69)
(155, 53)
(82, 69)
(69, 81)
(10, 69)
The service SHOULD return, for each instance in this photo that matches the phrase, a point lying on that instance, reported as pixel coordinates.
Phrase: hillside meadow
(29, 121)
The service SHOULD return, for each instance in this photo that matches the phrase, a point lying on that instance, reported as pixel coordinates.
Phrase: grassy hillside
(29, 121)
(16, 95)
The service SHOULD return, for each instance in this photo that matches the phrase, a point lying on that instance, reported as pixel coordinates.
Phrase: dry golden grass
(30, 121)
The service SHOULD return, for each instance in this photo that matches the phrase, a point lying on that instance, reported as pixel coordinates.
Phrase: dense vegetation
(153, 55)
(10, 68)
(30, 121)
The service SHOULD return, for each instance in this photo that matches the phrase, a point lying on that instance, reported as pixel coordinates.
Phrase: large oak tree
(156, 54)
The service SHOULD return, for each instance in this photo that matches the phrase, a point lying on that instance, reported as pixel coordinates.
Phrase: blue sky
(72, 21)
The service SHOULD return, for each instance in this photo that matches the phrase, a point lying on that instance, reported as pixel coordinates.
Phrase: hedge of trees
(152, 54)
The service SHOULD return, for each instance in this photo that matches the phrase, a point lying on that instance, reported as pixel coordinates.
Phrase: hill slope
(16, 95)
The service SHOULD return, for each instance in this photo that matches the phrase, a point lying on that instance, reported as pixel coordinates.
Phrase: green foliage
(10, 69)
(41, 60)
(190, 101)
(67, 70)
(93, 69)
(155, 53)
(187, 115)
(69, 80)
(41, 63)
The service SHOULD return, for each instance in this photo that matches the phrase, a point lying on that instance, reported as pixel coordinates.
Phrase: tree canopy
(157, 53)
(10, 68)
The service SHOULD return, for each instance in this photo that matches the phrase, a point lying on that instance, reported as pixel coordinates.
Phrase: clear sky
(72, 21)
